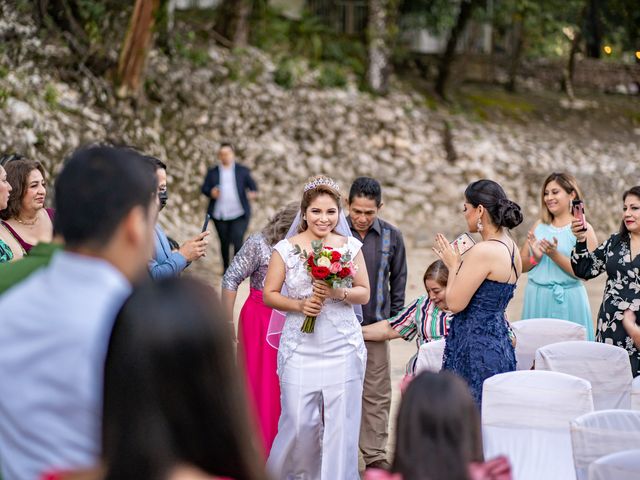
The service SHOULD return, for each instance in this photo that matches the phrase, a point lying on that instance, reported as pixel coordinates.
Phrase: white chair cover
(526, 415)
(597, 434)
(605, 366)
(534, 333)
(616, 466)
(635, 393)
(430, 356)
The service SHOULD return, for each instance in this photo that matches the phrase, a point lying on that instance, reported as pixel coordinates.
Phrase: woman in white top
(320, 373)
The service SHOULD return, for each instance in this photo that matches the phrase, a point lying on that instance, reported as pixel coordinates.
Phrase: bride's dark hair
(316, 186)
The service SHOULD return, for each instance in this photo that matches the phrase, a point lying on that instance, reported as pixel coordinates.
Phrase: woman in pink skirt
(254, 353)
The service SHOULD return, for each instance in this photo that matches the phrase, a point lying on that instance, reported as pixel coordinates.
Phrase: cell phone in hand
(464, 242)
(205, 225)
(577, 209)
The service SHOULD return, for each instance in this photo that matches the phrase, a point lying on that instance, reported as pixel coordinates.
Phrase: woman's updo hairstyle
(502, 211)
(316, 186)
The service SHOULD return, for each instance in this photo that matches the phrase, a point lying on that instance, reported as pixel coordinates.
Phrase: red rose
(335, 256)
(320, 272)
(345, 272)
(310, 261)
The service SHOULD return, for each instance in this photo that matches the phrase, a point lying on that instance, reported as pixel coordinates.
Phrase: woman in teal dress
(6, 254)
(552, 289)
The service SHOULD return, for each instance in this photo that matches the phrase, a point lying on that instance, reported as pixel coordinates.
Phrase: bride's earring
(479, 226)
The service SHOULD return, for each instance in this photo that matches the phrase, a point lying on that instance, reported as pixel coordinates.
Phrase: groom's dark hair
(366, 187)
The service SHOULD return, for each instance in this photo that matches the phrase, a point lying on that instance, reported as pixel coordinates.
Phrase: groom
(384, 255)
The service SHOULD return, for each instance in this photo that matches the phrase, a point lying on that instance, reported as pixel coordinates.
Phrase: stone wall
(285, 136)
(590, 73)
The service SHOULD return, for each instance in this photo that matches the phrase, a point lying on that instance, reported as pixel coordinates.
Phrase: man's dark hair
(227, 144)
(366, 187)
(156, 162)
(97, 189)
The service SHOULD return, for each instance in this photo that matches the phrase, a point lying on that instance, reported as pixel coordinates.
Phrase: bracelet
(344, 297)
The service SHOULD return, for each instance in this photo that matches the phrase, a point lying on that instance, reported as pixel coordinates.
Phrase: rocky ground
(423, 153)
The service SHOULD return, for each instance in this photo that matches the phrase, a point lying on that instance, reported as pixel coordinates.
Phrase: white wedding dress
(321, 376)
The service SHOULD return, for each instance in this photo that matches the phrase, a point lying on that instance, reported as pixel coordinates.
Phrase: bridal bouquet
(329, 265)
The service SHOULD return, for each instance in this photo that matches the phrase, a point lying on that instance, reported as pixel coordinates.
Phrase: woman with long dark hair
(321, 372)
(619, 257)
(481, 285)
(438, 434)
(174, 408)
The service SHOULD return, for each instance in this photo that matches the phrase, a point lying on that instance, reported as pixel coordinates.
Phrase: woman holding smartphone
(619, 256)
(553, 290)
(480, 286)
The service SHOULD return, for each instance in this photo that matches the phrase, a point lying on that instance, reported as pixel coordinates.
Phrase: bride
(321, 373)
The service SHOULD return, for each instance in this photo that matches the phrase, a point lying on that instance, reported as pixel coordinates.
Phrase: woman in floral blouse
(618, 256)
(427, 316)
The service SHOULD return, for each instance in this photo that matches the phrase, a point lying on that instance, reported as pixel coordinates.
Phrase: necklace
(28, 224)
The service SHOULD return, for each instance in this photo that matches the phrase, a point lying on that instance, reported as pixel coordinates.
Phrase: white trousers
(317, 433)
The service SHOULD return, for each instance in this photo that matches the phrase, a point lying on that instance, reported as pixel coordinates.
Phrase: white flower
(324, 262)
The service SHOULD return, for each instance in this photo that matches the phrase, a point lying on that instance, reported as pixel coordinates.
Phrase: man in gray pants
(384, 255)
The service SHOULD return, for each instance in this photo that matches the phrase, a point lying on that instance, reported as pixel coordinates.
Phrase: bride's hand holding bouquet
(330, 270)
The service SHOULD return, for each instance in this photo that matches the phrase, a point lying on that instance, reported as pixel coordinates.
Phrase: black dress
(622, 291)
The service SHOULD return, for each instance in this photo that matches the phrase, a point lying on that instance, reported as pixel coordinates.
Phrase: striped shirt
(423, 321)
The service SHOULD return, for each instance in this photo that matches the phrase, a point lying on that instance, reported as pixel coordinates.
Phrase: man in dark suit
(229, 187)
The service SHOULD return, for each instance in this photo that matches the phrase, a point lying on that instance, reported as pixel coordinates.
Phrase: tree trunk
(593, 34)
(241, 34)
(164, 25)
(232, 22)
(444, 68)
(567, 80)
(136, 47)
(378, 47)
(516, 53)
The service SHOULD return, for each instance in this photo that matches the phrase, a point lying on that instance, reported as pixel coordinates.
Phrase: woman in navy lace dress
(481, 284)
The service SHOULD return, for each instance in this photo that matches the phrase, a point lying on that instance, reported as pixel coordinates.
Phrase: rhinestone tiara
(321, 181)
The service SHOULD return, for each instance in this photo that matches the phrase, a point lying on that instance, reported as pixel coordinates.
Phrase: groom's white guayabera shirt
(54, 332)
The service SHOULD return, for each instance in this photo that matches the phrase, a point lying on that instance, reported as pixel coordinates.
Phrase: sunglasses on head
(4, 159)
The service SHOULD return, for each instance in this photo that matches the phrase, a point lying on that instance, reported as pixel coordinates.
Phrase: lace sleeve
(244, 263)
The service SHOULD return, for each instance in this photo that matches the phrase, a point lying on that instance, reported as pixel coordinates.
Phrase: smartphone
(577, 209)
(464, 242)
(206, 223)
